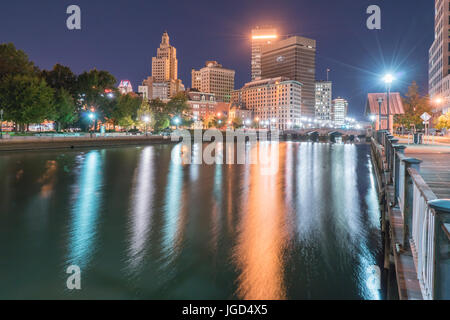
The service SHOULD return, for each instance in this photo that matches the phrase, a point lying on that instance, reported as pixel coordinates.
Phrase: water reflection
(198, 231)
(262, 240)
(173, 206)
(87, 198)
(142, 194)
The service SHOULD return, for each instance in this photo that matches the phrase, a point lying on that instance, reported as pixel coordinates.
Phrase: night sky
(122, 36)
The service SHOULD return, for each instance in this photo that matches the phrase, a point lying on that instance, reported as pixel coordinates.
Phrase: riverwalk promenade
(31, 143)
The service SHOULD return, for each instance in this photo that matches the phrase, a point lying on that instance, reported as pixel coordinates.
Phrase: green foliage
(125, 110)
(61, 77)
(26, 99)
(65, 109)
(237, 123)
(14, 62)
(444, 121)
(415, 105)
(177, 105)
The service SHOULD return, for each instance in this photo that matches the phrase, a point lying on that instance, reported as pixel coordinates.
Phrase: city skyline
(101, 42)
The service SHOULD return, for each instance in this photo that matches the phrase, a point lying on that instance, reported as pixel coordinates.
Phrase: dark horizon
(122, 37)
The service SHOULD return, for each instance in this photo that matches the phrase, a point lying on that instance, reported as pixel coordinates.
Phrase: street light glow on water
(140, 226)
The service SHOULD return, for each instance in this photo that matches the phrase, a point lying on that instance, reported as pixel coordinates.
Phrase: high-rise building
(295, 59)
(164, 82)
(323, 100)
(276, 103)
(165, 64)
(260, 38)
(439, 58)
(339, 111)
(214, 78)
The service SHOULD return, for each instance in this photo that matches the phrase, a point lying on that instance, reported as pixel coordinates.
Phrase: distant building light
(273, 36)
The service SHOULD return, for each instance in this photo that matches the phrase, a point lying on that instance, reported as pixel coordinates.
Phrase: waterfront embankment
(49, 143)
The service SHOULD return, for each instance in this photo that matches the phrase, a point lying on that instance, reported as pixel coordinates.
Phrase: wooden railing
(425, 218)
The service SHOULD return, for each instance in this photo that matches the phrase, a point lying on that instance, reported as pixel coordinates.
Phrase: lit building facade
(293, 58)
(125, 87)
(439, 59)
(324, 93)
(214, 78)
(202, 104)
(260, 38)
(275, 103)
(339, 111)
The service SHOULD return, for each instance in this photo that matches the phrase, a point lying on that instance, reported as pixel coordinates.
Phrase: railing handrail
(422, 186)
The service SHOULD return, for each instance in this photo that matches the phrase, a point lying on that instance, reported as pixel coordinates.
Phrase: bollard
(441, 285)
(408, 198)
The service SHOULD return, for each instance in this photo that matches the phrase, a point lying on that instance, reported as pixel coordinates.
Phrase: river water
(140, 226)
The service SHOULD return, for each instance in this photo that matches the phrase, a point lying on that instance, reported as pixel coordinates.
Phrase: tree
(15, 62)
(65, 109)
(444, 121)
(26, 99)
(178, 105)
(415, 105)
(61, 77)
(237, 123)
(126, 109)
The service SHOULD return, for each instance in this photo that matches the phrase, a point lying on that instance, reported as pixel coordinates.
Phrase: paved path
(435, 168)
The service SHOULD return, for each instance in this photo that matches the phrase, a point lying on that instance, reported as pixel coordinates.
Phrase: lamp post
(380, 101)
(146, 120)
(92, 117)
(1, 123)
(388, 79)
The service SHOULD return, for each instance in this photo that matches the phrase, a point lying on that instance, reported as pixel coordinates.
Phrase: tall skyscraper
(339, 111)
(164, 82)
(165, 64)
(323, 100)
(295, 59)
(260, 38)
(214, 78)
(439, 58)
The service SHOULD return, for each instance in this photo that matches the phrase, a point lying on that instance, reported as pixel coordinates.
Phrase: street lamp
(388, 79)
(146, 120)
(92, 117)
(176, 120)
(380, 102)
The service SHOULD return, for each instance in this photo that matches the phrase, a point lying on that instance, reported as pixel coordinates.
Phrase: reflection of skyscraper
(260, 38)
(295, 59)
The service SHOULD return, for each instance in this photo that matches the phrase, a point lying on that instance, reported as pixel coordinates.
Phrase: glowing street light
(146, 120)
(388, 79)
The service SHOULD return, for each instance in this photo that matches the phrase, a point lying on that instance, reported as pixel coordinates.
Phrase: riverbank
(50, 143)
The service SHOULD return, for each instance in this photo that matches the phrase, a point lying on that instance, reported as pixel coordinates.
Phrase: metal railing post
(398, 149)
(408, 198)
(441, 277)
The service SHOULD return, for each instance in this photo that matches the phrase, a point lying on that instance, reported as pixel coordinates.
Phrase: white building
(339, 111)
(439, 59)
(275, 103)
(323, 100)
(125, 87)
